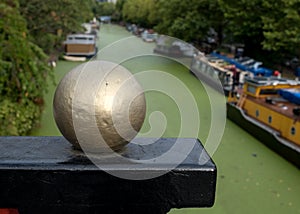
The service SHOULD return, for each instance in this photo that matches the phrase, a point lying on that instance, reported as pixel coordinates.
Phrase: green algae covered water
(251, 178)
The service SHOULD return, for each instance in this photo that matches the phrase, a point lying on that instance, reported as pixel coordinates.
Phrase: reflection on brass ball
(99, 100)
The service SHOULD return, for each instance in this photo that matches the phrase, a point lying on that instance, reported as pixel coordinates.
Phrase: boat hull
(265, 136)
(74, 58)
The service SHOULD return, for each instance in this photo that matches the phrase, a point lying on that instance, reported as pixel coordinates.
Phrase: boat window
(257, 113)
(270, 119)
(203, 67)
(90, 38)
(80, 38)
(268, 91)
(211, 71)
(216, 74)
(251, 89)
(293, 131)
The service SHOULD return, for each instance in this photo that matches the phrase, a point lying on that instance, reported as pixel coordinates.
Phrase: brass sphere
(99, 104)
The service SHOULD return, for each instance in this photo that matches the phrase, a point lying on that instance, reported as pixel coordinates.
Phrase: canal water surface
(251, 178)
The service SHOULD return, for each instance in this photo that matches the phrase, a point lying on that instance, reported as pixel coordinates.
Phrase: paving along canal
(251, 178)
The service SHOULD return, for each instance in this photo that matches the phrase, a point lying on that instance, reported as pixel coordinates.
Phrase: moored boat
(80, 45)
(246, 64)
(269, 109)
(215, 72)
(149, 36)
(173, 47)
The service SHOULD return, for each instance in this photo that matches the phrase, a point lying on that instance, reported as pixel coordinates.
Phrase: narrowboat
(269, 109)
(215, 72)
(246, 64)
(80, 45)
(173, 47)
(149, 36)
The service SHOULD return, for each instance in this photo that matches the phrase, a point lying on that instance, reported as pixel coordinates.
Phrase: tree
(217, 19)
(281, 26)
(49, 22)
(268, 28)
(140, 12)
(23, 70)
(104, 9)
(120, 4)
(187, 20)
(245, 23)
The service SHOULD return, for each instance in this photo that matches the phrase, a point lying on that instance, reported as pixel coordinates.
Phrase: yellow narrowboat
(269, 109)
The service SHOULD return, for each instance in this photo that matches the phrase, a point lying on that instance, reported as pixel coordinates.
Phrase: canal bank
(251, 178)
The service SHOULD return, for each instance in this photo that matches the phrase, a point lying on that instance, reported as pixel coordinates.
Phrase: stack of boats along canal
(266, 106)
(213, 71)
(246, 64)
(269, 109)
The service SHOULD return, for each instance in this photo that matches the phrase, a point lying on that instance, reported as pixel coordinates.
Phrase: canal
(251, 178)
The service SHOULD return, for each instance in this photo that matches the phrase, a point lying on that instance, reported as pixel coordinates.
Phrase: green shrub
(23, 73)
(18, 118)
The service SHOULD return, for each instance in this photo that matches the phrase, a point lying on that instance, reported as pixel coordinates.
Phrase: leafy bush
(18, 118)
(28, 30)
(23, 73)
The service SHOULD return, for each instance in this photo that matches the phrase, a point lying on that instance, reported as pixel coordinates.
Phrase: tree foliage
(281, 27)
(183, 19)
(263, 26)
(140, 11)
(104, 9)
(268, 28)
(245, 23)
(188, 20)
(23, 70)
(49, 22)
(28, 30)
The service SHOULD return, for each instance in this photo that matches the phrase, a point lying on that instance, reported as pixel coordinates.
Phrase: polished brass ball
(99, 104)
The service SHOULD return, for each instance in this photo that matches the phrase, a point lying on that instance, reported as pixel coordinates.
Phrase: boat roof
(80, 39)
(277, 104)
(238, 63)
(267, 81)
(82, 35)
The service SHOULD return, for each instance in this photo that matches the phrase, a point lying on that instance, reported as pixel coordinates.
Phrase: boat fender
(269, 100)
(296, 111)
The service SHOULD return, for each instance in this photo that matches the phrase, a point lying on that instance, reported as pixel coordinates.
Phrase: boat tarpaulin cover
(292, 95)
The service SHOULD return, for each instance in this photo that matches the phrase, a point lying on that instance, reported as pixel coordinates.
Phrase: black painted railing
(46, 175)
